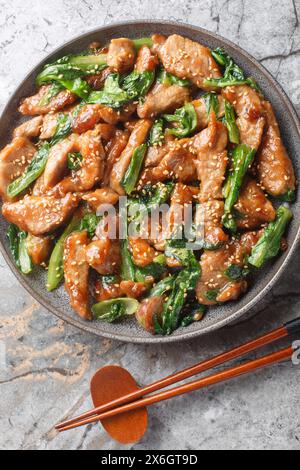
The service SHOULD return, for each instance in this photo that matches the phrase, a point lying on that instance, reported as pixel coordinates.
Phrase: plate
(217, 317)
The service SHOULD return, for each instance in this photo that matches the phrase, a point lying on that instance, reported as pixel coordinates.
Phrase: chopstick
(100, 412)
(219, 377)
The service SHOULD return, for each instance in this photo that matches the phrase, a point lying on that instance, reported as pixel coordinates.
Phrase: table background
(45, 364)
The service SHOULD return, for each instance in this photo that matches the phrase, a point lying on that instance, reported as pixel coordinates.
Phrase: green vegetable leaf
(63, 128)
(74, 161)
(211, 103)
(230, 122)
(32, 172)
(18, 248)
(157, 135)
(235, 272)
(289, 196)
(269, 244)
(233, 74)
(137, 84)
(112, 310)
(194, 313)
(55, 269)
(185, 119)
(168, 79)
(127, 266)
(71, 67)
(133, 171)
(112, 94)
(162, 287)
(212, 295)
(90, 223)
(241, 159)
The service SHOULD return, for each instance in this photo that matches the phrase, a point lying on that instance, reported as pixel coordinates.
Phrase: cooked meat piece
(133, 290)
(156, 152)
(248, 106)
(253, 207)
(210, 148)
(33, 104)
(107, 291)
(40, 215)
(214, 285)
(56, 166)
(86, 119)
(101, 196)
(29, 128)
(187, 59)
(104, 256)
(96, 81)
(177, 164)
(121, 55)
(209, 224)
(114, 149)
(49, 126)
(182, 197)
(150, 308)
(146, 60)
(142, 252)
(137, 137)
(39, 248)
(39, 187)
(162, 99)
(92, 165)
(202, 115)
(275, 169)
(113, 116)
(76, 271)
(14, 158)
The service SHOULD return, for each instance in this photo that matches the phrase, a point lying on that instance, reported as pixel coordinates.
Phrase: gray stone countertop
(45, 364)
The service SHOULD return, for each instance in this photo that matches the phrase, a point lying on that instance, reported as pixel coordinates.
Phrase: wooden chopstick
(184, 374)
(218, 377)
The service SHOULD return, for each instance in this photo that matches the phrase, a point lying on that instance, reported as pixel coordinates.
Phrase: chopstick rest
(110, 383)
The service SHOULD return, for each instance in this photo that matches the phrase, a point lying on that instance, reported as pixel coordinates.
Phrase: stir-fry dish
(114, 134)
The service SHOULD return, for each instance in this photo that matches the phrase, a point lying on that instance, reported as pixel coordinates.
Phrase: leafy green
(31, 173)
(127, 265)
(55, 268)
(139, 43)
(184, 283)
(74, 160)
(194, 313)
(168, 79)
(236, 272)
(112, 310)
(18, 248)
(185, 119)
(289, 196)
(72, 67)
(89, 222)
(133, 171)
(118, 91)
(212, 295)
(211, 103)
(63, 128)
(155, 270)
(162, 287)
(241, 159)
(233, 74)
(269, 244)
(157, 135)
(137, 84)
(230, 122)
(112, 94)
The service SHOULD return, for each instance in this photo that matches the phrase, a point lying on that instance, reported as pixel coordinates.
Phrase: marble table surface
(45, 364)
